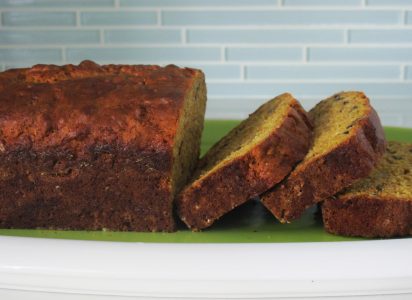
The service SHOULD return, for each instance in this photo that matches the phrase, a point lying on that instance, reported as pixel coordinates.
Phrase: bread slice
(251, 158)
(348, 141)
(379, 205)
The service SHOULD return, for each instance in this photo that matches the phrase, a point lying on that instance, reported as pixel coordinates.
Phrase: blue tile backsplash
(21, 18)
(265, 36)
(142, 36)
(322, 2)
(347, 72)
(264, 54)
(281, 17)
(361, 54)
(196, 3)
(27, 57)
(250, 50)
(159, 55)
(56, 3)
(382, 36)
(40, 37)
(114, 18)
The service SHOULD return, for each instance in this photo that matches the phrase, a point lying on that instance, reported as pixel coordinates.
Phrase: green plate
(250, 223)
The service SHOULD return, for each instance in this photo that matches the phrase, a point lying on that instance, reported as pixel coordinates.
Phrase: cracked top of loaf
(50, 106)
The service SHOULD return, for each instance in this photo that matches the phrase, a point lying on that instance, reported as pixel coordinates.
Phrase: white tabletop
(37, 268)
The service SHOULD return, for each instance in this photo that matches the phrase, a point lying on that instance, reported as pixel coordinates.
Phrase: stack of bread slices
(335, 155)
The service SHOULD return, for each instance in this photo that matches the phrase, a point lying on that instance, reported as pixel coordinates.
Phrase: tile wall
(250, 50)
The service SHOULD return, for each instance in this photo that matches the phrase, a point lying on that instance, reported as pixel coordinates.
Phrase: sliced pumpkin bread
(348, 142)
(379, 205)
(250, 159)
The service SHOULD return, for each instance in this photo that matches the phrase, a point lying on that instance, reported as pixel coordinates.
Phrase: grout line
(313, 81)
(308, 97)
(101, 37)
(346, 36)
(403, 18)
(274, 27)
(215, 8)
(223, 54)
(64, 56)
(363, 3)
(243, 72)
(78, 22)
(183, 36)
(159, 17)
(305, 55)
(46, 28)
(281, 7)
(217, 45)
(403, 72)
(289, 26)
(277, 64)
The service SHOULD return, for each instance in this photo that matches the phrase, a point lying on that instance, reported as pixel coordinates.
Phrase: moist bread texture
(348, 142)
(97, 147)
(251, 158)
(379, 205)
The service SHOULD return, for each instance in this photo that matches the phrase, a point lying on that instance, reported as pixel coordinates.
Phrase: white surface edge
(376, 267)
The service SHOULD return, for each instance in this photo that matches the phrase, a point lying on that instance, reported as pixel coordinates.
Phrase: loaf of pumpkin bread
(250, 159)
(97, 147)
(348, 142)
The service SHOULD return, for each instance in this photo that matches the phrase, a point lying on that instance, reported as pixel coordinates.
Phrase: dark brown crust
(325, 176)
(366, 216)
(202, 203)
(89, 146)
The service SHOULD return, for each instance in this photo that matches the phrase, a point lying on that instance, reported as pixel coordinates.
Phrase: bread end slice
(379, 205)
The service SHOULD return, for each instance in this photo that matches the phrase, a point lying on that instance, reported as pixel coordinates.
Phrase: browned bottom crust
(109, 189)
(367, 217)
(246, 177)
(325, 176)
